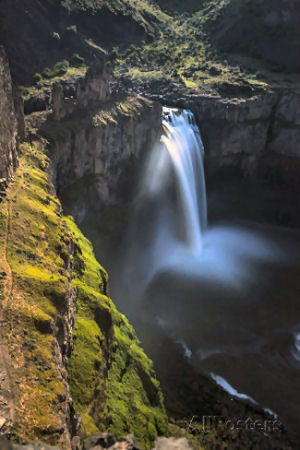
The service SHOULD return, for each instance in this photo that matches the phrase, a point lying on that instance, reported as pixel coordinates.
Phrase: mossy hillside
(112, 381)
(107, 362)
(187, 47)
(135, 401)
(34, 248)
(88, 363)
(181, 52)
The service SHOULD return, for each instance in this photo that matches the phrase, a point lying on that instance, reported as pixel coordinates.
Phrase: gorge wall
(65, 348)
(251, 141)
(71, 363)
(254, 140)
(99, 136)
(11, 120)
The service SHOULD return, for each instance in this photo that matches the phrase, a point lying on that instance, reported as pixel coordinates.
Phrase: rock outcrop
(97, 137)
(11, 120)
(82, 95)
(102, 150)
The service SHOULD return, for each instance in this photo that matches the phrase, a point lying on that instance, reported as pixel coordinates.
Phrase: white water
(210, 288)
(230, 389)
(176, 236)
(184, 145)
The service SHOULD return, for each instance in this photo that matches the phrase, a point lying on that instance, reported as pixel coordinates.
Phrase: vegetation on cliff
(66, 340)
(213, 45)
(201, 44)
(35, 284)
(46, 265)
(111, 380)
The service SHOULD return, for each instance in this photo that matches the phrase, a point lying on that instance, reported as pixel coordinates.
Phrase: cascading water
(169, 226)
(184, 145)
(223, 291)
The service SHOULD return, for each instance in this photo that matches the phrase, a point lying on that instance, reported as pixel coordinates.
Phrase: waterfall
(170, 214)
(168, 232)
(183, 143)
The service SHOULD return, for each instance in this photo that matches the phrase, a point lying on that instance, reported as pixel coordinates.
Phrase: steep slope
(54, 30)
(12, 122)
(267, 30)
(64, 347)
(125, 397)
(55, 284)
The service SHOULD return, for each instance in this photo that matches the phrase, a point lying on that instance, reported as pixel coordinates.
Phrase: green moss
(111, 379)
(77, 60)
(34, 240)
(135, 402)
(37, 77)
(108, 369)
(189, 45)
(112, 112)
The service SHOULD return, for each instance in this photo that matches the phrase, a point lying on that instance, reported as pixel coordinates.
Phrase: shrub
(59, 69)
(37, 77)
(77, 60)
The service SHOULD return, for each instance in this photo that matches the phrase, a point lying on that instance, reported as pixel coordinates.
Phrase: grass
(129, 106)
(185, 44)
(60, 71)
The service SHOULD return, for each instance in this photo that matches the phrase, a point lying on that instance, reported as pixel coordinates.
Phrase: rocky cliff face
(82, 95)
(247, 131)
(266, 29)
(100, 155)
(254, 141)
(87, 352)
(97, 139)
(250, 140)
(11, 120)
(38, 306)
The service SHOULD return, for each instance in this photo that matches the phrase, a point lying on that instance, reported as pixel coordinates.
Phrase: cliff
(11, 120)
(71, 364)
(56, 30)
(264, 29)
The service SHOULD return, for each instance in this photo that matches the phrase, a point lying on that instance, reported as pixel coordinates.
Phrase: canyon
(75, 144)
